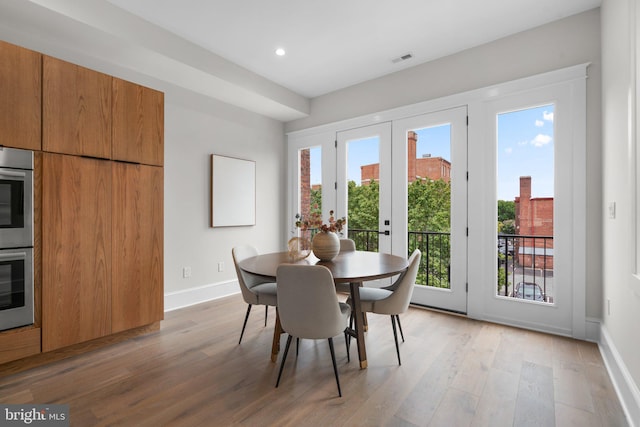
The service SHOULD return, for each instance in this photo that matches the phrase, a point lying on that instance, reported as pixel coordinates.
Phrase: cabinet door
(138, 123)
(138, 225)
(20, 97)
(76, 110)
(76, 250)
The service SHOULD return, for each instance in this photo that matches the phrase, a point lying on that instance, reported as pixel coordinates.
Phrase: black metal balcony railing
(526, 259)
(435, 268)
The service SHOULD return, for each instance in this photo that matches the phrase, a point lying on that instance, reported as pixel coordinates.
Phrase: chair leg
(297, 345)
(266, 311)
(350, 327)
(347, 341)
(400, 326)
(335, 367)
(244, 325)
(395, 337)
(284, 357)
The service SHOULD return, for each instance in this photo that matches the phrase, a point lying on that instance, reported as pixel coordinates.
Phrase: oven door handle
(14, 174)
(13, 255)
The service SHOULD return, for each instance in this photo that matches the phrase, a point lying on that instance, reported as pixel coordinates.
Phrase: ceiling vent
(404, 57)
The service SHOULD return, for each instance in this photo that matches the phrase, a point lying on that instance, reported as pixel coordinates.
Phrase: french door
(364, 185)
(429, 199)
(402, 185)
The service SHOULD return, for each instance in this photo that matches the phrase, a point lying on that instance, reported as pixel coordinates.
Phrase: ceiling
(332, 44)
(199, 51)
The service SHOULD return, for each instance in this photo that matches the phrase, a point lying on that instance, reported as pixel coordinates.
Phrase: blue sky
(525, 148)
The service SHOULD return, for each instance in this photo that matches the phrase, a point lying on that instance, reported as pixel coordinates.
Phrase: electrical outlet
(221, 266)
(186, 272)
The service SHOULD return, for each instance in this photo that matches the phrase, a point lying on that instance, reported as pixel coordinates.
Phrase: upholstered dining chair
(256, 290)
(309, 308)
(392, 300)
(346, 245)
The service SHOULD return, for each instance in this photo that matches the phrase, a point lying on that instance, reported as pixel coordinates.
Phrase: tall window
(526, 204)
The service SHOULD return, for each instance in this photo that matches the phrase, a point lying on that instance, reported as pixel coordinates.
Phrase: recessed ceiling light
(280, 51)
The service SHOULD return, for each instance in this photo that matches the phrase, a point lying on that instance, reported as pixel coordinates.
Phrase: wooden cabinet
(76, 110)
(102, 248)
(76, 250)
(137, 281)
(101, 221)
(138, 123)
(20, 97)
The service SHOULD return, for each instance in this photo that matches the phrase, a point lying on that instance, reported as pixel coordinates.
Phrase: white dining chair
(346, 245)
(392, 300)
(309, 308)
(255, 290)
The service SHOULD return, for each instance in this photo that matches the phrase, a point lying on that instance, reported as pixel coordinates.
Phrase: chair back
(398, 302)
(246, 280)
(347, 245)
(307, 302)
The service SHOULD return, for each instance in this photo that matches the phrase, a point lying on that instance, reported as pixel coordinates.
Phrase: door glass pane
(310, 181)
(525, 204)
(363, 195)
(429, 202)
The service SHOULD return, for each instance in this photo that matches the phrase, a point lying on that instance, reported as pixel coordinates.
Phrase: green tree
(316, 200)
(363, 206)
(506, 210)
(429, 205)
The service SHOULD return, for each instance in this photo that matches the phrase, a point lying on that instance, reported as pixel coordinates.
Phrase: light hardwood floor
(455, 372)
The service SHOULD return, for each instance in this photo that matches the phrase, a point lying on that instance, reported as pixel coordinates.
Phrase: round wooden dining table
(348, 267)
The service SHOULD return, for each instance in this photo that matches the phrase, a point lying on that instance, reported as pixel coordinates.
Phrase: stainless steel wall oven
(16, 238)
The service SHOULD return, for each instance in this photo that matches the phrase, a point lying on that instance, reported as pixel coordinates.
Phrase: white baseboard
(592, 329)
(624, 384)
(192, 296)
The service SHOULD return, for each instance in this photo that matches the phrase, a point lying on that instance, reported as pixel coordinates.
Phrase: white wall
(571, 41)
(621, 340)
(193, 131)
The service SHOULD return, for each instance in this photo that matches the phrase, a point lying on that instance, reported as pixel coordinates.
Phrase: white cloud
(548, 116)
(539, 123)
(523, 143)
(541, 140)
(508, 150)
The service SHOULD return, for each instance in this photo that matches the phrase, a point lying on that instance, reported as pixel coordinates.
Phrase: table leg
(277, 331)
(359, 324)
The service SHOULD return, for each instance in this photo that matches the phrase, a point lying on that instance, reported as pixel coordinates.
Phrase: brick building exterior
(305, 182)
(425, 167)
(534, 217)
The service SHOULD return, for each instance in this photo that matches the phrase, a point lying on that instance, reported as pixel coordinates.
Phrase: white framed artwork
(233, 192)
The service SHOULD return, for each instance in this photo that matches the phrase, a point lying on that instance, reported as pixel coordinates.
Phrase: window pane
(363, 175)
(310, 179)
(525, 203)
(429, 202)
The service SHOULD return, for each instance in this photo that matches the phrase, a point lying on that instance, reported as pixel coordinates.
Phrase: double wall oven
(16, 238)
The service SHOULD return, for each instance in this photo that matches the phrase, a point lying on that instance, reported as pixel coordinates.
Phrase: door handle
(385, 232)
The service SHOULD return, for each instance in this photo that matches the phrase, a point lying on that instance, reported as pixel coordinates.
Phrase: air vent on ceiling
(404, 57)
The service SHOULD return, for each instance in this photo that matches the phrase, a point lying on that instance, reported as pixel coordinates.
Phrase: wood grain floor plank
(535, 404)
(497, 403)
(455, 371)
